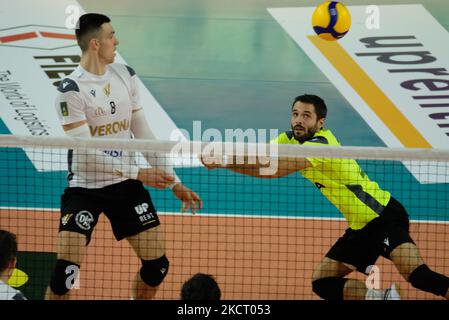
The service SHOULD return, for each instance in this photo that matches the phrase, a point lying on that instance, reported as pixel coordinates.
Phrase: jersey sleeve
(275, 140)
(280, 139)
(69, 104)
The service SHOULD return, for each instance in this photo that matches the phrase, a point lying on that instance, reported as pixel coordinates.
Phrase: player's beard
(306, 133)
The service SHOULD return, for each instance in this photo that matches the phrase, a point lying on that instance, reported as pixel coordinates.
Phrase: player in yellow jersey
(378, 223)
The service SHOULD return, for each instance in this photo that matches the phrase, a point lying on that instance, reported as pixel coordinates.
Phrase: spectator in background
(8, 260)
(200, 287)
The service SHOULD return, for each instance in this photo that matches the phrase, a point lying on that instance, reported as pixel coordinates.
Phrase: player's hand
(212, 162)
(189, 198)
(155, 178)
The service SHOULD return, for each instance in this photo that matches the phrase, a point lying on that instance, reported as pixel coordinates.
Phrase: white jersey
(106, 102)
(9, 293)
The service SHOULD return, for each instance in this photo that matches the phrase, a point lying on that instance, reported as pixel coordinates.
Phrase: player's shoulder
(330, 137)
(71, 82)
(325, 137)
(123, 69)
(285, 137)
(68, 85)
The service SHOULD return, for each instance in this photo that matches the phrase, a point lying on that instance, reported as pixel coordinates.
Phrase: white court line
(231, 215)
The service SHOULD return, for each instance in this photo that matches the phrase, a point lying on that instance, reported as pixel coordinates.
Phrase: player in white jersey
(8, 260)
(101, 99)
(107, 103)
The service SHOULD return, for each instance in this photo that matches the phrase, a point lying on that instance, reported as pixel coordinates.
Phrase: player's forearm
(246, 162)
(142, 130)
(253, 172)
(162, 162)
(288, 165)
(254, 167)
(97, 161)
(268, 168)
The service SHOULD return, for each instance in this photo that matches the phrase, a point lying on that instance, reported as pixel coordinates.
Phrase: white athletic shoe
(392, 293)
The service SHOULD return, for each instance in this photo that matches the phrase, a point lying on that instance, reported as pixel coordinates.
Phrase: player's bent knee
(63, 277)
(427, 280)
(153, 272)
(329, 288)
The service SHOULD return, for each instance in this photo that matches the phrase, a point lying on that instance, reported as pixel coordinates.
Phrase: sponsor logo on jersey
(84, 220)
(64, 109)
(118, 173)
(114, 153)
(99, 112)
(107, 89)
(110, 128)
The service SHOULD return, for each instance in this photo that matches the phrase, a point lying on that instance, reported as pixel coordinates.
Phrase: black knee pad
(330, 288)
(153, 272)
(63, 277)
(427, 280)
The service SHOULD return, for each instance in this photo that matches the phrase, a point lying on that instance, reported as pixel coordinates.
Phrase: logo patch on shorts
(141, 208)
(65, 219)
(84, 220)
(144, 216)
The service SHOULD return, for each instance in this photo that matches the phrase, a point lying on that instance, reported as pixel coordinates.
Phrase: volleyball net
(260, 236)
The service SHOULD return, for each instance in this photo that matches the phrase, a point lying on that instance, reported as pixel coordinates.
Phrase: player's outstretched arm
(262, 167)
(162, 162)
(92, 160)
(141, 130)
(156, 178)
(287, 165)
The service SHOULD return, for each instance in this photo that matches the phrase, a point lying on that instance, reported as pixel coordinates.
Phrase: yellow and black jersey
(342, 181)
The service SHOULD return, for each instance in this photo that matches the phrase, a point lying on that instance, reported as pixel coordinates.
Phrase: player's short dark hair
(8, 248)
(318, 103)
(201, 287)
(87, 27)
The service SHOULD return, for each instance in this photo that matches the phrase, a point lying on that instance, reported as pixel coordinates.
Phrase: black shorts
(361, 248)
(127, 205)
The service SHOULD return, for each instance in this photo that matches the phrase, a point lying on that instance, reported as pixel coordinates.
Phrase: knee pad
(330, 288)
(63, 277)
(153, 272)
(427, 280)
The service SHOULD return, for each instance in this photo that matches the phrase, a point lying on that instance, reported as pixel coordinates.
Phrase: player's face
(108, 43)
(305, 122)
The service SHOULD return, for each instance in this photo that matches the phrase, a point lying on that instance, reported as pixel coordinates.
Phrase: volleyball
(331, 20)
